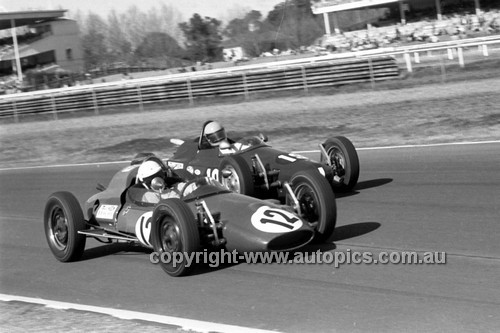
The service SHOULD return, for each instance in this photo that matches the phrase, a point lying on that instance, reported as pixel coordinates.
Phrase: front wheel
(240, 178)
(317, 202)
(344, 162)
(174, 235)
(63, 218)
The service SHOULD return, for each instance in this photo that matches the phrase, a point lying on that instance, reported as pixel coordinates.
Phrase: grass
(415, 109)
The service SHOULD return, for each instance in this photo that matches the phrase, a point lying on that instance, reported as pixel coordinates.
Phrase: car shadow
(114, 248)
(341, 233)
(353, 230)
(363, 185)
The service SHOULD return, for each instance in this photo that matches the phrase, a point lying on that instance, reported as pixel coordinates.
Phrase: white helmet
(148, 170)
(214, 133)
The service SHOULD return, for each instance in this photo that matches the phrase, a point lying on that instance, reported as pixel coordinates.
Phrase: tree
(118, 45)
(294, 20)
(203, 39)
(159, 44)
(93, 41)
(245, 32)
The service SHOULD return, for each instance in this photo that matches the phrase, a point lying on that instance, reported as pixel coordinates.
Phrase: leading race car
(250, 166)
(204, 215)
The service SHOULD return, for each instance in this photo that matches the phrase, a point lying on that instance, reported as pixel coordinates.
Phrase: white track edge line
(425, 145)
(186, 324)
(294, 152)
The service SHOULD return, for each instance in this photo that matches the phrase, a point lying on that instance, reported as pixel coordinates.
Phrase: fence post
(189, 91)
(450, 54)
(461, 57)
(417, 58)
(443, 70)
(372, 74)
(54, 108)
(304, 78)
(245, 85)
(408, 62)
(485, 50)
(141, 105)
(94, 100)
(14, 107)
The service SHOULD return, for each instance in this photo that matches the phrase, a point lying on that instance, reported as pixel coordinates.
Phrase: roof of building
(340, 5)
(28, 17)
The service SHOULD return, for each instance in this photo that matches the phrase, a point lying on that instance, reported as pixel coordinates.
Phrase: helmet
(150, 169)
(215, 133)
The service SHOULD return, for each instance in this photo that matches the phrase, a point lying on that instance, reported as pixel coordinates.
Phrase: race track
(444, 198)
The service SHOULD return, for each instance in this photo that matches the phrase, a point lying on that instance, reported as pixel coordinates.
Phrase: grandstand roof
(340, 5)
(28, 17)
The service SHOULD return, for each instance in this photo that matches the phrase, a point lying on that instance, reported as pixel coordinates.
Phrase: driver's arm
(174, 191)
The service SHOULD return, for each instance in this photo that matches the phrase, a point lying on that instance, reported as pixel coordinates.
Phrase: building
(51, 40)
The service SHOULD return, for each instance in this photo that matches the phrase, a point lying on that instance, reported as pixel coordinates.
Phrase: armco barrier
(243, 82)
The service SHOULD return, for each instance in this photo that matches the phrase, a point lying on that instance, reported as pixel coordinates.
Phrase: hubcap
(233, 181)
(308, 203)
(170, 237)
(58, 226)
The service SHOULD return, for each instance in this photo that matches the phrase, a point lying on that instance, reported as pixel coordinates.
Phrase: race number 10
(213, 173)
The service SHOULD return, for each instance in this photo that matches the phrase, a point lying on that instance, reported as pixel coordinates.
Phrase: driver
(158, 180)
(216, 136)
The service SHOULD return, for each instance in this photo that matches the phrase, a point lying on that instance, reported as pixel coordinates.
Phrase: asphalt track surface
(444, 198)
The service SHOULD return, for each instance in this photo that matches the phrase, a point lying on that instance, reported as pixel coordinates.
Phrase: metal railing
(322, 71)
(189, 87)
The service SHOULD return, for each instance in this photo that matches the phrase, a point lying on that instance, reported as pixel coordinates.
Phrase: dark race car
(254, 168)
(205, 215)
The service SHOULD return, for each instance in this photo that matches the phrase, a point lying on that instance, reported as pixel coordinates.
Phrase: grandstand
(333, 8)
(48, 40)
(417, 21)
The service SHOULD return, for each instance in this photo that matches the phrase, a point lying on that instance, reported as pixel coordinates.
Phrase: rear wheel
(317, 202)
(344, 161)
(63, 218)
(240, 179)
(174, 235)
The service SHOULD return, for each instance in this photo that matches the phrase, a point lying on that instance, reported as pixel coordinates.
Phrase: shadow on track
(341, 233)
(363, 185)
(353, 230)
(110, 249)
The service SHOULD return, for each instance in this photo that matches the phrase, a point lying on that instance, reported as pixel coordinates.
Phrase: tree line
(159, 37)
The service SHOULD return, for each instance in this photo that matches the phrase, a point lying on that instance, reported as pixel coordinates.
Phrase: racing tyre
(344, 160)
(240, 180)
(317, 202)
(174, 232)
(63, 218)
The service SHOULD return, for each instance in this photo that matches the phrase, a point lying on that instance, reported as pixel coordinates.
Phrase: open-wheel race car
(202, 215)
(250, 166)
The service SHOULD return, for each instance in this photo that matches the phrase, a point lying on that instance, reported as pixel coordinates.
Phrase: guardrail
(191, 87)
